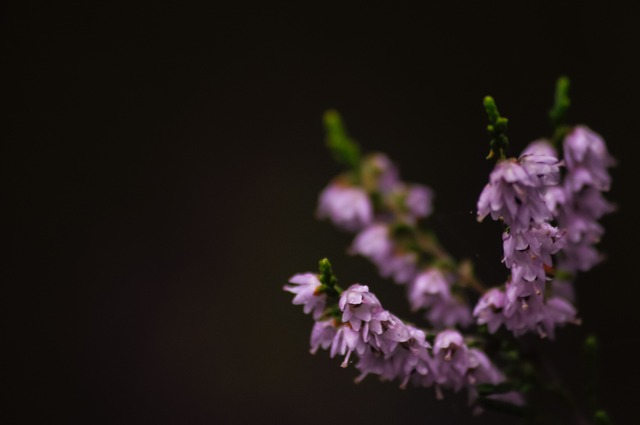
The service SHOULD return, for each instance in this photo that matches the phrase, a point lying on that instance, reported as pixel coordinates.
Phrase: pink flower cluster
(390, 348)
(528, 195)
(428, 287)
(550, 208)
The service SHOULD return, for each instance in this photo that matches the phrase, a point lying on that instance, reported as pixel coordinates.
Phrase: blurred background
(162, 166)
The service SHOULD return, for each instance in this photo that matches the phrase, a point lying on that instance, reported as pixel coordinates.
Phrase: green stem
(558, 113)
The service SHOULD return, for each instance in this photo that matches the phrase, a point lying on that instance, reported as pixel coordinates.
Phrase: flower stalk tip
(497, 129)
(561, 103)
(558, 113)
(345, 150)
(328, 279)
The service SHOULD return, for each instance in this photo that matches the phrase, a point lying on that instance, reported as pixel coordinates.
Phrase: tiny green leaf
(561, 102)
(344, 149)
(602, 418)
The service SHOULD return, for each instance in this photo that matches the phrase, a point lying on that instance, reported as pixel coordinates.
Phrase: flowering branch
(549, 205)
(393, 349)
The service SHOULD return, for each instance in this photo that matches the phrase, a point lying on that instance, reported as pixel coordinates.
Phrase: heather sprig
(551, 225)
(516, 195)
(549, 205)
(388, 216)
(389, 347)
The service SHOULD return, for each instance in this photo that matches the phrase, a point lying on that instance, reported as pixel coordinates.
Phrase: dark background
(162, 165)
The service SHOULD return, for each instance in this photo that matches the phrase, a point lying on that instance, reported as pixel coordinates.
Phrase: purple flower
(408, 360)
(580, 256)
(541, 240)
(526, 310)
(419, 201)
(481, 370)
(587, 160)
(375, 243)
(345, 342)
(380, 174)
(455, 365)
(388, 331)
(526, 253)
(489, 309)
(449, 312)
(524, 307)
(563, 288)
(431, 290)
(515, 192)
(447, 343)
(545, 167)
(558, 312)
(400, 266)
(581, 217)
(307, 293)
(322, 335)
(540, 147)
(358, 305)
(428, 288)
(375, 327)
(348, 207)
(580, 204)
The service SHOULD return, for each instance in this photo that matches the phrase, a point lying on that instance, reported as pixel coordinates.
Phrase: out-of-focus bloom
(448, 342)
(587, 160)
(579, 203)
(540, 147)
(431, 290)
(307, 293)
(419, 201)
(322, 335)
(375, 243)
(489, 309)
(348, 207)
(558, 311)
(400, 266)
(379, 173)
